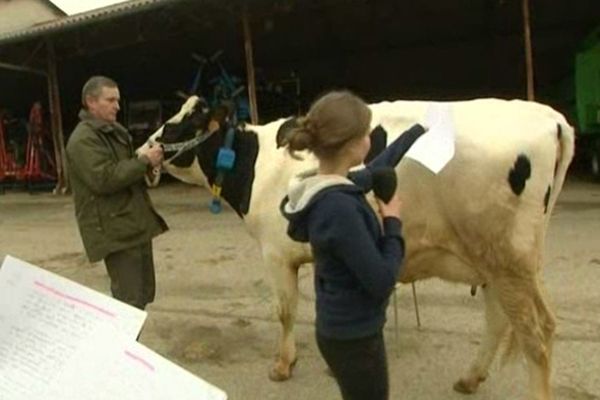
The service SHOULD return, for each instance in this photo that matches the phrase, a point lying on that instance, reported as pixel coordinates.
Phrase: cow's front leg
(497, 325)
(285, 287)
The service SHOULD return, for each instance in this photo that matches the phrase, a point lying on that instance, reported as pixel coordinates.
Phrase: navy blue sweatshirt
(356, 262)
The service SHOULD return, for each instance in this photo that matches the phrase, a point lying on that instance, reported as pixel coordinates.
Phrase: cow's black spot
(178, 132)
(187, 128)
(518, 175)
(237, 183)
(284, 130)
(172, 132)
(378, 143)
(547, 199)
(183, 160)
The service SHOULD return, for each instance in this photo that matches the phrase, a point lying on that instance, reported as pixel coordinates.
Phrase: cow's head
(193, 119)
(198, 165)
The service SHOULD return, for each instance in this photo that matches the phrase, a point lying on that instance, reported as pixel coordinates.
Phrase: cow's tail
(565, 149)
(511, 348)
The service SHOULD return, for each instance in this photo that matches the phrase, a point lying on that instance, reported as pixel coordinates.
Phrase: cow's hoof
(281, 371)
(468, 386)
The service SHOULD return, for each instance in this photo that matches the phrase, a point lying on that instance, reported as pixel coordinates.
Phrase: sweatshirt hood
(302, 193)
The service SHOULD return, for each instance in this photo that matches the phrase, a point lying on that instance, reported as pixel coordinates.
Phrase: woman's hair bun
(302, 137)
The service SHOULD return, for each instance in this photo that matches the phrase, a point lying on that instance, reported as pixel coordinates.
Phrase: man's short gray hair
(93, 87)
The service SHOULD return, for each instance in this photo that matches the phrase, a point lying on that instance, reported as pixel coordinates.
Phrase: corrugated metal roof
(77, 20)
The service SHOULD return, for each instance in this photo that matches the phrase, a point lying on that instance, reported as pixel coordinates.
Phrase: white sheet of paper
(43, 320)
(435, 148)
(113, 367)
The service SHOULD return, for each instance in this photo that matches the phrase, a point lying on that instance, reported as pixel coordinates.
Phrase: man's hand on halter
(154, 154)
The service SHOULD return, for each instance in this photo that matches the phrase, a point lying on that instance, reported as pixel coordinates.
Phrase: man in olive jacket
(114, 213)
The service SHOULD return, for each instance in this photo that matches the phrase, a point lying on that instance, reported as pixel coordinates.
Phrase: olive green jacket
(112, 207)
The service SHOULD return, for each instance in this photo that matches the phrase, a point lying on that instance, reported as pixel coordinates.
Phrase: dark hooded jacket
(357, 261)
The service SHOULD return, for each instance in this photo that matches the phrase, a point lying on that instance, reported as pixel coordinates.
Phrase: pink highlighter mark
(140, 360)
(73, 299)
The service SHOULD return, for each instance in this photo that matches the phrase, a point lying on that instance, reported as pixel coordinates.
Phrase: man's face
(106, 105)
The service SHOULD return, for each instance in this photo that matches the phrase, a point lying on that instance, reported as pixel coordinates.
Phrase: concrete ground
(213, 313)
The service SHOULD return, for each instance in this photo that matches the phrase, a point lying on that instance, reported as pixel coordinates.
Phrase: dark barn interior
(382, 49)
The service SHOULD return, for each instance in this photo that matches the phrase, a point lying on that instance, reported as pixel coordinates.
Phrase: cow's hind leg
(497, 325)
(533, 325)
(285, 286)
(540, 362)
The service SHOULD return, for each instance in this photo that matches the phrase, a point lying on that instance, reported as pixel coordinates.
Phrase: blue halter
(224, 164)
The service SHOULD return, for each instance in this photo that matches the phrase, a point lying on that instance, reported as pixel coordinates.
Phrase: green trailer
(587, 100)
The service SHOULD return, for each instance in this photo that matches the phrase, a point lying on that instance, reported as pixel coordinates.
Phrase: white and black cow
(481, 220)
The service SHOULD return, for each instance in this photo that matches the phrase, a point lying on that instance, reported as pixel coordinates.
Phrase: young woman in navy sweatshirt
(357, 259)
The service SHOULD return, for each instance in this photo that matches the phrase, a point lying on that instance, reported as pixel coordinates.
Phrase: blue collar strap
(225, 163)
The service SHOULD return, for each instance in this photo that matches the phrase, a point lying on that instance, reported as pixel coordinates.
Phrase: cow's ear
(378, 143)
(284, 130)
(220, 114)
(213, 125)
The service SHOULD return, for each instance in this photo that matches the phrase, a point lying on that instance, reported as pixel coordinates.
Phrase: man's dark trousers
(131, 274)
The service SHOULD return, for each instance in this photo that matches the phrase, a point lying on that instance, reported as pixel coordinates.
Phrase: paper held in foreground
(28, 293)
(435, 148)
(46, 323)
(116, 368)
